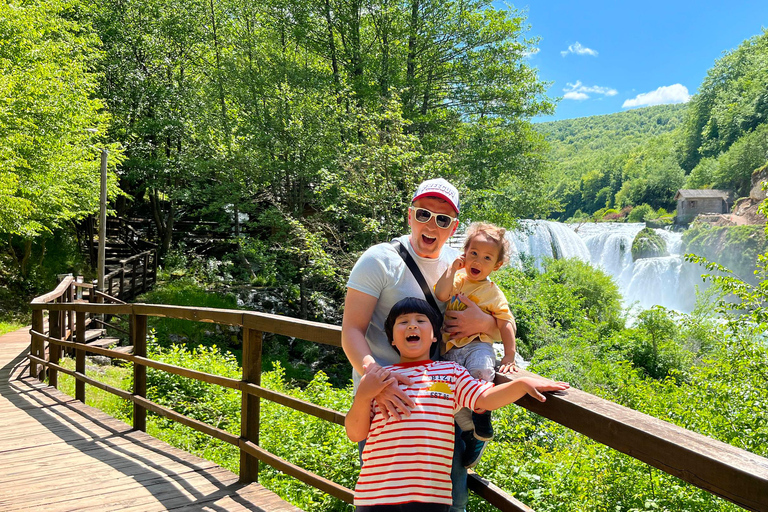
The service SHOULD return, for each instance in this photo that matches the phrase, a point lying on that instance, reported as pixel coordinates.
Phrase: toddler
(485, 250)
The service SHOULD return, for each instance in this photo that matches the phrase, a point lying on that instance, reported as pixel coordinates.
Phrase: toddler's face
(481, 258)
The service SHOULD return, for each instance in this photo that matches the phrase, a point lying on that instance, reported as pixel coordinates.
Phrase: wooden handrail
(727, 471)
(56, 292)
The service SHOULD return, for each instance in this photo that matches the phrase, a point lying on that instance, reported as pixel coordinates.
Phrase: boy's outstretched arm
(358, 419)
(504, 394)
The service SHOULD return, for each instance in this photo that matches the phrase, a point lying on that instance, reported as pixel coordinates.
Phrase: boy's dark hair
(412, 305)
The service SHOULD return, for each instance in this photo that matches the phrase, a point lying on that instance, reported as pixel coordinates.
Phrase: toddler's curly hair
(491, 232)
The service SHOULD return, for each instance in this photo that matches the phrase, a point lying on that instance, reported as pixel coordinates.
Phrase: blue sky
(609, 56)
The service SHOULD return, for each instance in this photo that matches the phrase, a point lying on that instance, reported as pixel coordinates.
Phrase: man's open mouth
(428, 239)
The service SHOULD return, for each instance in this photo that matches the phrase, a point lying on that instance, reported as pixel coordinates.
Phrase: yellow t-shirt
(487, 296)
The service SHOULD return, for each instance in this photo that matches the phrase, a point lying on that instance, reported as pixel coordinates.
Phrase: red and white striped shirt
(410, 460)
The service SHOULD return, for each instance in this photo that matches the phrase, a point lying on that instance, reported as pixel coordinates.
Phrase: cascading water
(541, 239)
(608, 246)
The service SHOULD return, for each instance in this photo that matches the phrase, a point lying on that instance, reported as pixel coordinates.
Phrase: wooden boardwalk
(57, 454)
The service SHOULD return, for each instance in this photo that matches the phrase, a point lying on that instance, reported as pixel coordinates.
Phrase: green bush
(641, 213)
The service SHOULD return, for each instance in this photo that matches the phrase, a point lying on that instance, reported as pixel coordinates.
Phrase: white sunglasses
(423, 215)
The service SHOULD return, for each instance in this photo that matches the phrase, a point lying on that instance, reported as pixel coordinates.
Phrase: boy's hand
(508, 364)
(392, 400)
(535, 386)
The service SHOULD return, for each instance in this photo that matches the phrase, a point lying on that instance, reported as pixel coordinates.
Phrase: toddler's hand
(508, 364)
(458, 263)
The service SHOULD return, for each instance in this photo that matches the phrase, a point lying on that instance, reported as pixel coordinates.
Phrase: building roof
(701, 194)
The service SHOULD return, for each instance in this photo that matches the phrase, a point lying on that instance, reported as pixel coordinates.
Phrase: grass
(115, 376)
(7, 326)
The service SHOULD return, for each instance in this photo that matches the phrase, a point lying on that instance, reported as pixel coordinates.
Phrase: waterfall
(540, 239)
(608, 246)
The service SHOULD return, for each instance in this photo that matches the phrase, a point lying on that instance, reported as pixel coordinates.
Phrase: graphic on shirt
(440, 387)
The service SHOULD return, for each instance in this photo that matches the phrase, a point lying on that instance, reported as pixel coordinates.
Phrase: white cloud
(578, 49)
(677, 93)
(573, 95)
(579, 91)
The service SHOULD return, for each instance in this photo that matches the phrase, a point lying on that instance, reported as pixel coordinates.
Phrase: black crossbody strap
(414, 268)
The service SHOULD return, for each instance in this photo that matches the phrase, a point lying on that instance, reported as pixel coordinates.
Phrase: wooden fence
(721, 469)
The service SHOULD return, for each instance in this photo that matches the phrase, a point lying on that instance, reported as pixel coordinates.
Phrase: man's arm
(358, 311)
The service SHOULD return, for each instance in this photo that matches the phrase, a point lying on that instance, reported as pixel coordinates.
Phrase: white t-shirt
(382, 273)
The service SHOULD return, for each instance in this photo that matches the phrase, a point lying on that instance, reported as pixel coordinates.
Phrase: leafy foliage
(49, 121)
(731, 102)
(617, 160)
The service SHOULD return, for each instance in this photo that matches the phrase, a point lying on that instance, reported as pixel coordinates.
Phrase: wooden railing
(721, 469)
(138, 282)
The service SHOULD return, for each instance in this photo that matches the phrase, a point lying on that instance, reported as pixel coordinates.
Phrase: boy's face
(427, 238)
(413, 336)
(481, 258)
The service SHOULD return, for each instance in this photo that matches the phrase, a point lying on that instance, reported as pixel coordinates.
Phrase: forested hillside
(643, 156)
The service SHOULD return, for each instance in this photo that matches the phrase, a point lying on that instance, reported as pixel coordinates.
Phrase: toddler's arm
(358, 420)
(444, 285)
(504, 394)
(507, 330)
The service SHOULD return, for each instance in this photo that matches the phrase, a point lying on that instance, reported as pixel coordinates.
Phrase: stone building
(691, 203)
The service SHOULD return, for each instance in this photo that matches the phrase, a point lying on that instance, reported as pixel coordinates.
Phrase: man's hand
(472, 320)
(375, 380)
(392, 400)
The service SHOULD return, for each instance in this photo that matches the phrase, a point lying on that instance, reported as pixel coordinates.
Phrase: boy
(485, 251)
(407, 462)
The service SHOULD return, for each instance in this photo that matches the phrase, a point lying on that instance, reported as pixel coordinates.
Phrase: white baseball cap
(441, 188)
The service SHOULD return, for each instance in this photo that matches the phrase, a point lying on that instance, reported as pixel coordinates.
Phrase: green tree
(49, 123)
(731, 102)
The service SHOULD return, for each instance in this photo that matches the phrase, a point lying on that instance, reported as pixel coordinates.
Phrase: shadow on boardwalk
(59, 454)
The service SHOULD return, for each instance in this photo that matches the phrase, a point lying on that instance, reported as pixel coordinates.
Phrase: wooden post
(100, 267)
(54, 350)
(154, 266)
(251, 405)
(139, 341)
(80, 356)
(37, 346)
(133, 278)
(121, 291)
(145, 273)
(70, 295)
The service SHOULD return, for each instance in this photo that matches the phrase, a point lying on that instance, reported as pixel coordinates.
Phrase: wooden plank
(56, 292)
(213, 315)
(287, 326)
(100, 309)
(732, 473)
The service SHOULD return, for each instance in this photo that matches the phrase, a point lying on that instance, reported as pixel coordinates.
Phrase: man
(380, 278)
